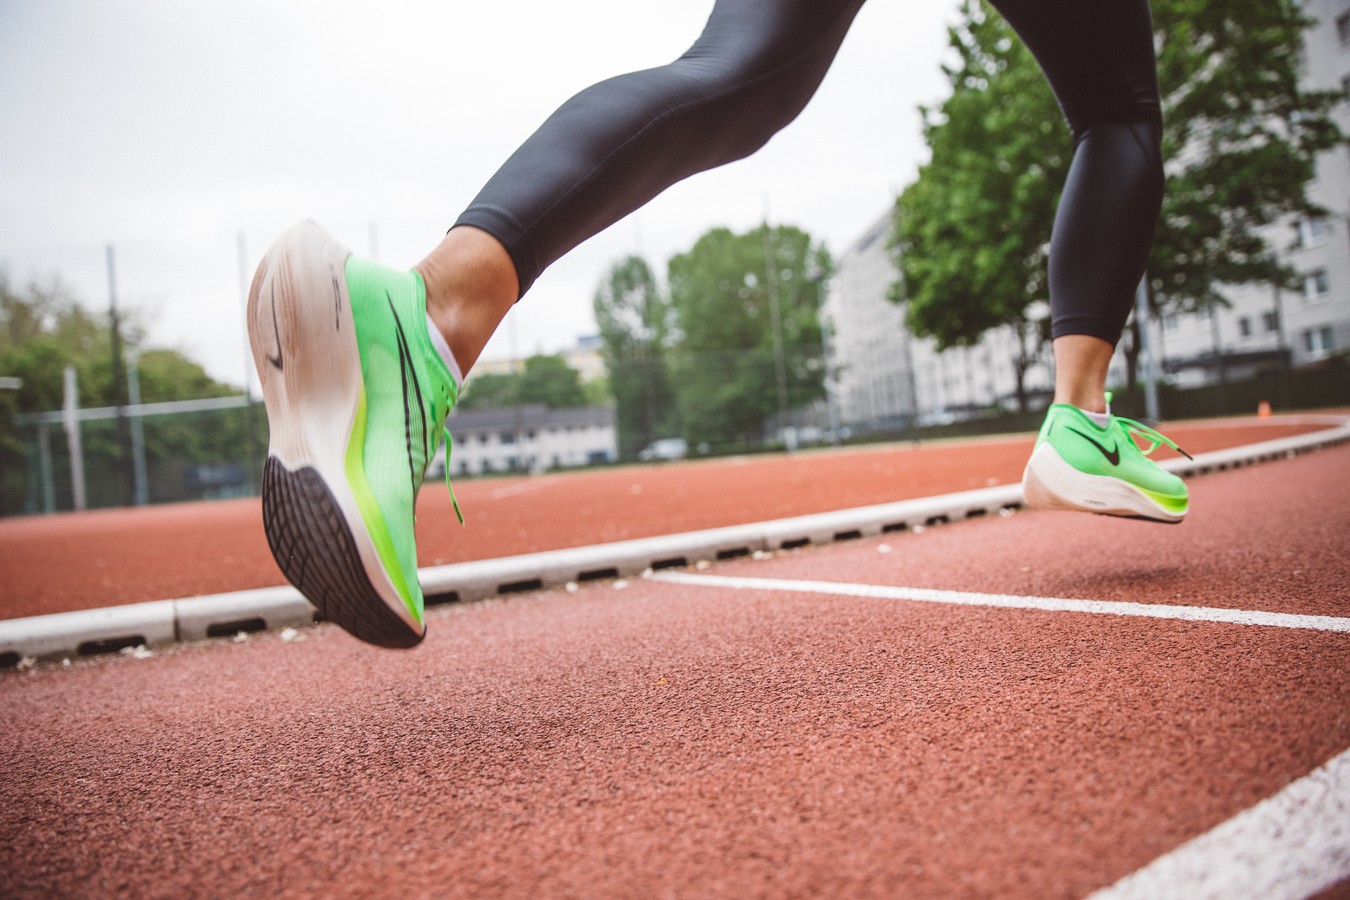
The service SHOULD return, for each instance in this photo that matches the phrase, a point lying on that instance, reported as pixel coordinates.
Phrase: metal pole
(831, 381)
(45, 469)
(776, 322)
(72, 424)
(139, 486)
(119, 385)
(1144, 314)
(1286, 354)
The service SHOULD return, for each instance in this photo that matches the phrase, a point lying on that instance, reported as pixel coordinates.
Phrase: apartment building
(883, 375)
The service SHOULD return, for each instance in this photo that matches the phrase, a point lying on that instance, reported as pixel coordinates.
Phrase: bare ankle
(1081, 364)
(471, 285)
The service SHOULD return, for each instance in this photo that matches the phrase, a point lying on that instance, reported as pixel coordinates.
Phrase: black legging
(619, 143)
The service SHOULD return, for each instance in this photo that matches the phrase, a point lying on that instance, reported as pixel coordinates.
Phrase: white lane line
(1006, 601)
(520, 487)
(1292, 845)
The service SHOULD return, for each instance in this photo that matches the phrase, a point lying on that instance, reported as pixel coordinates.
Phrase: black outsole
(313, 545)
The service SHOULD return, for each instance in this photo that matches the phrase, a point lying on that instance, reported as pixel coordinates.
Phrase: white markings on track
(1291, 845)
(520, 487)
(1008, 601)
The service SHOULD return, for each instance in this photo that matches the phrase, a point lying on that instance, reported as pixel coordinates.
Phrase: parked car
(664, 449)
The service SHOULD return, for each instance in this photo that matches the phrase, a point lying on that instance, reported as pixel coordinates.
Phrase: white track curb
(166, 621)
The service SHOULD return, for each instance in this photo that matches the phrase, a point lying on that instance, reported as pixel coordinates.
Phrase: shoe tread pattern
(314, 547)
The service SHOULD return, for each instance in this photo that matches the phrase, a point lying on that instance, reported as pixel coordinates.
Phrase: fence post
(1143, 313)
(69, 410)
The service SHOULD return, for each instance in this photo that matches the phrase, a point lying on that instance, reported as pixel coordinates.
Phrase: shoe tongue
(1101, 420)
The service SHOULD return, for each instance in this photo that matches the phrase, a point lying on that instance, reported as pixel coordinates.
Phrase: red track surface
(108, 557)
(663, 739)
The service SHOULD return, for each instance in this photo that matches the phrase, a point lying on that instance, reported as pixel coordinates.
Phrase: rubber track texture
(314, 547)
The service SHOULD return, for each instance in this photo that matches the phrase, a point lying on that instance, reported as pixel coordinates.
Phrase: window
(1244, 327)
(1318, 341)
(1345, 88)
(1316, 285)
(1343, 28)
(1311, 232)
(507, 437)
(1169, 322)
(1270, 321)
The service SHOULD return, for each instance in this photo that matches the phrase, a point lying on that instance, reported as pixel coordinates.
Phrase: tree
(1240, 140)
(551, 381)
(43, 330)
(635, 329)
(727, 373)
(973, 231)
(546, 380)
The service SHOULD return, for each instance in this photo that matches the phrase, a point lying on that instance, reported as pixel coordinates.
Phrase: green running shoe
(356, 398)
(1079, 465)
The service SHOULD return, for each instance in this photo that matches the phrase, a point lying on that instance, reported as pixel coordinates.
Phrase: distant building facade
(585, 356)
(529, 439)
(882, 375)
(1264, 325)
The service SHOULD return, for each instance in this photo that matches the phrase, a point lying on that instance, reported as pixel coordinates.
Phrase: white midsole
(299, 312)
(1051, 483)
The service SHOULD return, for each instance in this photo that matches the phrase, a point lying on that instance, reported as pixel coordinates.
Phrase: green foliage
(973, 230)
(1240, 139)
(635, 330)
(544, 379)
(724, 365)
(43, 330)
(551, 381)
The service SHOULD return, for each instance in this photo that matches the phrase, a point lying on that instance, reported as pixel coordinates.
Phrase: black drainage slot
(9, 659)
(109, 645)
(440, 599)
(230, 629)
(975, 513)
(795, 543)
(851, 535)
(519, 587)
(675, 562)
(938, 520)
(894, 527)
(734, 553)
(598, 574)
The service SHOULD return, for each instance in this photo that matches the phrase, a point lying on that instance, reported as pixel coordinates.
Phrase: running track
(755, 728)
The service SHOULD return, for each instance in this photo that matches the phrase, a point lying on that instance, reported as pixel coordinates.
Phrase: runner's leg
(616, 145)
(1099, 60)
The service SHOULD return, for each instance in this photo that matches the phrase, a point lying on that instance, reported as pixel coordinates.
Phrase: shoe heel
(304, 347)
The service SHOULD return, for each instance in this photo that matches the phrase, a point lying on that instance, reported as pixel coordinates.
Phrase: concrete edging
(156, 623)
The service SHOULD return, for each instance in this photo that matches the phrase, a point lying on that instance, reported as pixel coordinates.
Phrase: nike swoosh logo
(1112, 455)
(410, 381)
(277, 362)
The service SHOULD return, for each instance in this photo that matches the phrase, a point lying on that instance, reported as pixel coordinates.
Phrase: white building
(529, 439)
(1263, 324)
(868, 346)
(884, 376)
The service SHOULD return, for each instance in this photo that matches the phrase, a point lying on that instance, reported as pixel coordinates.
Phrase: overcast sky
(170, 127)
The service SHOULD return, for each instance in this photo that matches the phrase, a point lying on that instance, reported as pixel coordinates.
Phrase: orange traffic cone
(1263, 409)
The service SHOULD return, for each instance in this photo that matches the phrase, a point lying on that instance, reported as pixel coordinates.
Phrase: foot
(356, 399)
(1080, 465)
